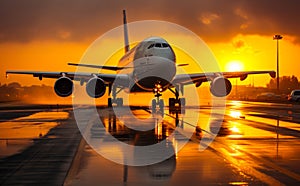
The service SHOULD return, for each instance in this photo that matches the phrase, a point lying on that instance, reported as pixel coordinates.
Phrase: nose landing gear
(175, 104)
(157, 101)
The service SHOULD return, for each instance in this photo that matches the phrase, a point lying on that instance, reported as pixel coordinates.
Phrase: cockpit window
(152, 45)
(165, 45)
(158, 45)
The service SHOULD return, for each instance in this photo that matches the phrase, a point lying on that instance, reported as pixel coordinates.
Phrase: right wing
(198, 78)
(217, 89)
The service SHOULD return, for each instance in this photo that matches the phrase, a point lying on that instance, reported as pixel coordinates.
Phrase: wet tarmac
(256, 144)
(37, 149)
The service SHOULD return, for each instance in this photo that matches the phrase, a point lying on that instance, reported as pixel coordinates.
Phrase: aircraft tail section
(126, 39)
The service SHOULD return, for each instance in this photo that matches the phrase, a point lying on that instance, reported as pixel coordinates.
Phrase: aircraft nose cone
(154, 70)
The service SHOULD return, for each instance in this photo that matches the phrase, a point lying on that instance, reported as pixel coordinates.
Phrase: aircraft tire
(171, 103)
(161, 105)
(182, 102)
(153, 105)
(109, 102)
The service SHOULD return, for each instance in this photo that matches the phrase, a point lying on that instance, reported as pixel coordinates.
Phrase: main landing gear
(114, 99)
(176, 104)
(118, 101)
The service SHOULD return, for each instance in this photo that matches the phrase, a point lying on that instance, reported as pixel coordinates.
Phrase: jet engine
(220, 87)
(63, 87)
(95, 87)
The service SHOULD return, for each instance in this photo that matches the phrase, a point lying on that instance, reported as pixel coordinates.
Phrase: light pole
(277, 37)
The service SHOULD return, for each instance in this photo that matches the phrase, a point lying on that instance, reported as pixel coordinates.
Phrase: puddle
(45, 116)
(18, 134)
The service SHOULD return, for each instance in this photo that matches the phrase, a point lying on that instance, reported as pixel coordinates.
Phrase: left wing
(80, 76)
(64, 85)
(198, 78)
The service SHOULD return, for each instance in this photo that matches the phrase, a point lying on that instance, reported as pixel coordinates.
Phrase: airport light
(277, 37)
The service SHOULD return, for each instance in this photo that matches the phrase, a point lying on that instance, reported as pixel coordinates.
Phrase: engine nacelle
(220, 87)
(63, 87)
(95, 87)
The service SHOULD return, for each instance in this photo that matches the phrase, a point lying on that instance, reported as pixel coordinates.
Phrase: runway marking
(74, 168)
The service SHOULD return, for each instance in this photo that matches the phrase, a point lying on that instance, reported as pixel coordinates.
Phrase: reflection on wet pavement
(186, 164)
(19, 133)
(247, 150)
(255, 144)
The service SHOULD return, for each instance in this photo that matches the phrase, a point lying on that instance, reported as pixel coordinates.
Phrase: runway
(256, 144)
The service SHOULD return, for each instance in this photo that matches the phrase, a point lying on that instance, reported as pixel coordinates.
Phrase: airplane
(146, 72)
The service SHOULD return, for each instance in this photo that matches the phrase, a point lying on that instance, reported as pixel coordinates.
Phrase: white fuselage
(153, 64)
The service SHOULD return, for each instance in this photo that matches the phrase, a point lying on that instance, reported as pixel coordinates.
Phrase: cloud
(238, 44)
(208, 18)
(77, 20)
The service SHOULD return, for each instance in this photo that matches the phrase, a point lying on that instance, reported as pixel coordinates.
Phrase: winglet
(73, 64)
(126, 39)
(182, 65)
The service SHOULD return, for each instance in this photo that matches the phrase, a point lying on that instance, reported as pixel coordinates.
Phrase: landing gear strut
(114, 99)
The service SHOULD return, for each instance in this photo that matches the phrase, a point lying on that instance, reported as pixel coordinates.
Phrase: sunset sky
(45, 35)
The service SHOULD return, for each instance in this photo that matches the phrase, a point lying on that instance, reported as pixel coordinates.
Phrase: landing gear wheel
(182, 102)
(171, 102)
(109, 102)
(153, 105)
(177, 105)
(161, 105)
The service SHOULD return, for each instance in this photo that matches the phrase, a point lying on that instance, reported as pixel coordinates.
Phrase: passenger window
(158, 45)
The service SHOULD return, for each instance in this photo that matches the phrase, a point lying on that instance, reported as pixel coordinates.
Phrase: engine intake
(95, 87)
(63, 87)
(220, 87)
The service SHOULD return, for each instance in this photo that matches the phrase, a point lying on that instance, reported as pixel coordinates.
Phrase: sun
(234, 66)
